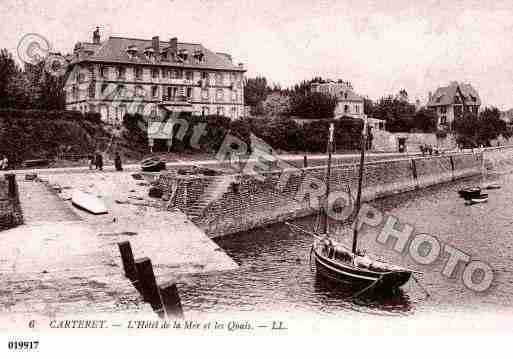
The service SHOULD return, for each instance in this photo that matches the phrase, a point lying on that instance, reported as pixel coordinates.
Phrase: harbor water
(275, 273)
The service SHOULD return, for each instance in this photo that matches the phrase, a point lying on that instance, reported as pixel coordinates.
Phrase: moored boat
(340, 264)
(469, 192)
(350, 267)
(491, 185)
(478, 199)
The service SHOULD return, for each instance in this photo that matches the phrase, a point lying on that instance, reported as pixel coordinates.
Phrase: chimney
(173, 45)
(430, 96)
(96, 35)
(155, 43)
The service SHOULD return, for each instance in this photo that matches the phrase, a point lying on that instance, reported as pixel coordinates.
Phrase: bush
(312, 105)
(136, 128)
(28, 134)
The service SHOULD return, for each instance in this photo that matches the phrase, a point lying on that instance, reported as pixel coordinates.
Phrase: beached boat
(477, 199)
(351, 267)
(88, 202)
(153, 164)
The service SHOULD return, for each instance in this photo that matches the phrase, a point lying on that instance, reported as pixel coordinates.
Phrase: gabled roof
(337, 89)
(113, 50)
(351, 96)
(445, 95)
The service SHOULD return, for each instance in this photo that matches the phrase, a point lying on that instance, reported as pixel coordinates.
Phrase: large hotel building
(154, 78)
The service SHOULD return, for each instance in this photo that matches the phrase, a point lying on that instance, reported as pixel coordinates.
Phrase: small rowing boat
(491, 185)
(478, 199)
(88, 202)
(469, 192)
(153, 164)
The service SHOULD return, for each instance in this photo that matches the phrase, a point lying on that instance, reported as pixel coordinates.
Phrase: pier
(63, 260)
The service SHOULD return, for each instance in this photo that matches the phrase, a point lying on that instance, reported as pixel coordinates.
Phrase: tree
(276, 104)
(11, 81)
(32, 87)
(491, 125)
(47, 89)
(398, 114)
(313, 105)
(474, 130)
(255, 91)
(369, 107)
(425, 120)
(467, 129)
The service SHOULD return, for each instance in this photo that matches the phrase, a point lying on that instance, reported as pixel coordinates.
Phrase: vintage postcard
(220, 168)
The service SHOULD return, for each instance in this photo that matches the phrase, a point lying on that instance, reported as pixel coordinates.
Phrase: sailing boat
(335, 261)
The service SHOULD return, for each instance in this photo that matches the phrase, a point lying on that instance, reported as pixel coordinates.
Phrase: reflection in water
(331, 292)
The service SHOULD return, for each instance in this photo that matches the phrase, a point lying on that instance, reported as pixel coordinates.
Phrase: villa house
(452, 101)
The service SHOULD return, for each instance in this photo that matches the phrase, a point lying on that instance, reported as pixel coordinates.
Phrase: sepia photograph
(220, 168)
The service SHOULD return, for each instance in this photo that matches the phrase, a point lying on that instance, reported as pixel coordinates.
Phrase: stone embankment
(231, 203)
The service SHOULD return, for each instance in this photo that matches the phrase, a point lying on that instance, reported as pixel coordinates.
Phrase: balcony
(176, 99)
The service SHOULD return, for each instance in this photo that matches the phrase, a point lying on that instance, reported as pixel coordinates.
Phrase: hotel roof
(114, 50)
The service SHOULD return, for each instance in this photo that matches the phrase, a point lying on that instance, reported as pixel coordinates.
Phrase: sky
(380, 46)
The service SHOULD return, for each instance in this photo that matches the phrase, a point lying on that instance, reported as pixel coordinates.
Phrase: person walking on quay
(117, 162)
(4, 163)
(90, 161)
(99, 161)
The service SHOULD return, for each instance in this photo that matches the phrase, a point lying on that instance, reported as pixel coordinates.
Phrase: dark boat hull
(469, 192)
(153, 165)
(357, 277)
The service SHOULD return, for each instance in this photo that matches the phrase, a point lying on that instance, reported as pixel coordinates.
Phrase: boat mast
(360, 177)
(328, 175)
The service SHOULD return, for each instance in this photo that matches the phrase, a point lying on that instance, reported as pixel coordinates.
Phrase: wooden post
(414, 172)
(305, 161)
(11, 180)
(147, 282)
(127, 257)
(171, 300)
(452, 168)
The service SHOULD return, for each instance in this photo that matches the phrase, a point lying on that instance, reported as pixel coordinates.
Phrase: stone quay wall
(498, 159)
(228, 204)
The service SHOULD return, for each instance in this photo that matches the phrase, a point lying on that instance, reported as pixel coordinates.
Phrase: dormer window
(183, 54)
(198, 55)
(149, 53)
(131, 51)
